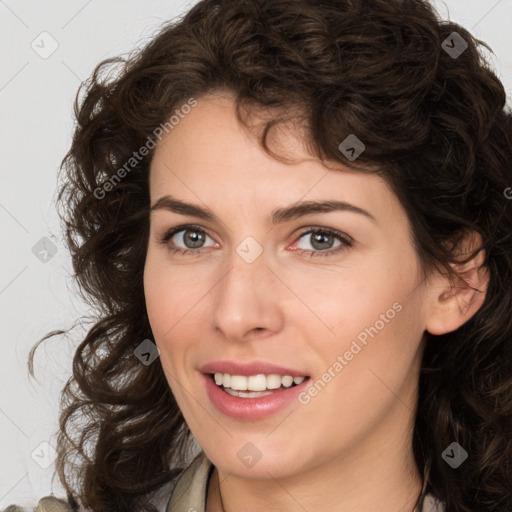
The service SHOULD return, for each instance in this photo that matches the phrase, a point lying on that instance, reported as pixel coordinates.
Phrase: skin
(349, 449)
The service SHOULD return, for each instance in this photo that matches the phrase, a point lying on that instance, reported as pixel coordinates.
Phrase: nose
(246, 301)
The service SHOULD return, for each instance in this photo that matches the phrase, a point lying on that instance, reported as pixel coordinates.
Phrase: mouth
(252, 390)
(255, 386)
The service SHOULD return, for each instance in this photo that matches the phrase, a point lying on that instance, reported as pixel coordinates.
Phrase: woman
(294, 218)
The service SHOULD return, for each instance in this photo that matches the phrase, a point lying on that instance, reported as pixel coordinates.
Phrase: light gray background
(36, 96)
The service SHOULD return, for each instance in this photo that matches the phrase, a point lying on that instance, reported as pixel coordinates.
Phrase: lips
(247, 405)
(250, 368)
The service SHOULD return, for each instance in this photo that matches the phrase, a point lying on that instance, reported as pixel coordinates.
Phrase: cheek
(172, 294)
(368, 363)
(158, 301)
(375, 305)
(346, 299)
(167, 310)
(177, 306)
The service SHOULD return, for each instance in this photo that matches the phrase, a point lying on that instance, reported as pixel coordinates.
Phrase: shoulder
(46, 504)
(191, 482)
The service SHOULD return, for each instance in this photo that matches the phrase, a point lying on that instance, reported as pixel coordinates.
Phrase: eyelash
(346, 241)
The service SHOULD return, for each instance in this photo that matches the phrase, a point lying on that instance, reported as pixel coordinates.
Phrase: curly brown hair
(435, 128)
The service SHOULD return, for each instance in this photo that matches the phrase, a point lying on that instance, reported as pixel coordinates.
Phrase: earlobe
(453, 303)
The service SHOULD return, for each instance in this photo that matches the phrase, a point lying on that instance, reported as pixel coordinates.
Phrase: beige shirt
(190, 492)
(189, 495)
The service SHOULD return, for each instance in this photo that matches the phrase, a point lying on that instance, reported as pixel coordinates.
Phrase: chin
(254, 457)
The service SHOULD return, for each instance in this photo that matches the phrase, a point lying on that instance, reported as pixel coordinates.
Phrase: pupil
(317, 241)
(194, 239)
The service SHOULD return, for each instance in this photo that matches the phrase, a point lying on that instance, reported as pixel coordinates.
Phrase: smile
(254, 386)
(274, 393)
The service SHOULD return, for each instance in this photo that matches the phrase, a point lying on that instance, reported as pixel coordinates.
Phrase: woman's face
(249, 284)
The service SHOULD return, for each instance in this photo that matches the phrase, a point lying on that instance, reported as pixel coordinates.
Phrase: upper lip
(250, 368)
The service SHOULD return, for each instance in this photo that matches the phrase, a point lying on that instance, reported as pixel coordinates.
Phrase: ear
(451, 304)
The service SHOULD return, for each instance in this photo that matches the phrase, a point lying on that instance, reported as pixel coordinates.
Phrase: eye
(191, 237)
(323, 242)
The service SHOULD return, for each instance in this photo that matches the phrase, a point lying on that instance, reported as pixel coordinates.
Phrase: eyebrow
(277, 216)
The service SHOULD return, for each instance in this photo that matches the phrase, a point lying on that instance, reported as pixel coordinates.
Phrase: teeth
(247, 394)
(239, 382)
(287, 381)
(273, 381)
(258, 382)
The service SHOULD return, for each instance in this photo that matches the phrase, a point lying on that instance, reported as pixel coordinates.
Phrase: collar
(190, 491)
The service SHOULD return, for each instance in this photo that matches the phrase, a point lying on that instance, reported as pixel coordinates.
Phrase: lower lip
(251, 408)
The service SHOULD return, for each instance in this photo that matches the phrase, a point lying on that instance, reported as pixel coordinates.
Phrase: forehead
(210, 157)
